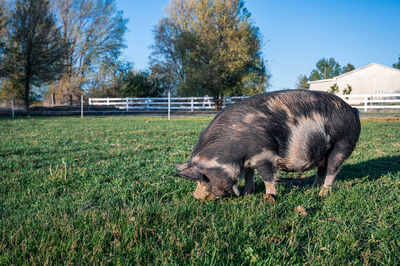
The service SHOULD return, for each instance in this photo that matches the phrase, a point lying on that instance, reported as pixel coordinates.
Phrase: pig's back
(293, 124)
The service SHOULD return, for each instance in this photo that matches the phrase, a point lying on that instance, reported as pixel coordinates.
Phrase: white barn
(371, 79)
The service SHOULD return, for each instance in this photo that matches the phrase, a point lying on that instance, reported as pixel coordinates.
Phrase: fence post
(90, 101)
(127, 104)
(148, 103)
(191, 104)
(108, 101)
(81, 105)
(365, 103)
(12, 106)
(169, 106)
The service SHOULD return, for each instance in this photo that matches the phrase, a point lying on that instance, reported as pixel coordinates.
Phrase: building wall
(371, 79)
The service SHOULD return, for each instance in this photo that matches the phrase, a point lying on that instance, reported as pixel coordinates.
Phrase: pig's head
(212, 183)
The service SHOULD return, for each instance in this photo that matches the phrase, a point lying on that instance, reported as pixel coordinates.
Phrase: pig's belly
(299, 165)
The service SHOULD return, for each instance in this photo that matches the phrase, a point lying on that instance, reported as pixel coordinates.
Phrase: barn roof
(353, 71)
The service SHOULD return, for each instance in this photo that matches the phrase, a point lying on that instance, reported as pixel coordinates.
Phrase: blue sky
(296, 34)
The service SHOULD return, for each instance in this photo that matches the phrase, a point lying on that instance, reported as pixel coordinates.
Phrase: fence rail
(161, 103)
(360, 101)
(364, 102)
(373, 101)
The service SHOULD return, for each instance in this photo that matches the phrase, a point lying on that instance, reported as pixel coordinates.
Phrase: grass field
(101, 190)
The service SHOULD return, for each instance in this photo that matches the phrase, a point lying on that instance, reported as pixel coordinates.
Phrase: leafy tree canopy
(33, 49)
(302, 83)
(94, 30)
(347, 68)
(140, 84)
(326, 69)
(209, 47)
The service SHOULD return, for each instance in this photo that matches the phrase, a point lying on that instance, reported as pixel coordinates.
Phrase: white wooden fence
(164, 103)
(360, 101)
(373, 101)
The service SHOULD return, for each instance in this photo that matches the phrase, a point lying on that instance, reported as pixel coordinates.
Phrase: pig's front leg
(320, 176)
(249, 186)
(268, 174)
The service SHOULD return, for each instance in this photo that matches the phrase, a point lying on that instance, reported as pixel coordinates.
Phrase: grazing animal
(292, 130)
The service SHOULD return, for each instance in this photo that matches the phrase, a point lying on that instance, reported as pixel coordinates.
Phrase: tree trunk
(26, 95)
(218, 102)
(27, 83)
(27, 75)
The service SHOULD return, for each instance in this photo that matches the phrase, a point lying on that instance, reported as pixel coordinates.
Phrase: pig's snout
(202, 193)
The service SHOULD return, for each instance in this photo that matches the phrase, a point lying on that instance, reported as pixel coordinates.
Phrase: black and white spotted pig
(287, 130)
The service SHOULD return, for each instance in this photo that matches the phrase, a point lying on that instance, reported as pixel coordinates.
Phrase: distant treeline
(67, 47)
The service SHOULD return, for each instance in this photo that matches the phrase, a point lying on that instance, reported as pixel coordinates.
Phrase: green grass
(101, 190)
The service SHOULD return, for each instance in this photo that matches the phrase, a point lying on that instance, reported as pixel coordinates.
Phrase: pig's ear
(182, 166)
(191, 173)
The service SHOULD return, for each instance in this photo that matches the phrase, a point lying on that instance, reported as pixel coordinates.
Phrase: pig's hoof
(249, 190)
(325, 191)
(269, 198)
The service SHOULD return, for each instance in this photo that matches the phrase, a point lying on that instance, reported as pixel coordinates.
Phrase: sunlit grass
(97, 190)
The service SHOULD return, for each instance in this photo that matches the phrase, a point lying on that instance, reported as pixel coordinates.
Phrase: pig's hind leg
(340, 152)
(249, 186)
(268, 174)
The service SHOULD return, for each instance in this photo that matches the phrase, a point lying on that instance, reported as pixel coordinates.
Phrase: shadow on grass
(372, 169)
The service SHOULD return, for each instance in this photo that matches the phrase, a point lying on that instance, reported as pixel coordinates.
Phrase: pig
(291, 130)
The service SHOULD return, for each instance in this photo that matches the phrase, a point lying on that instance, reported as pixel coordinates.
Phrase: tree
(34, 48)
(347, 68)
(209, 47)
(397, 65)
(3, 33)
(94, 30)
(140, 84)
(255, 82)
(3, 24)
(326, 69)
(302, 83)
(106, 82)
(164, 78)
(347, 90)
(334, 89)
